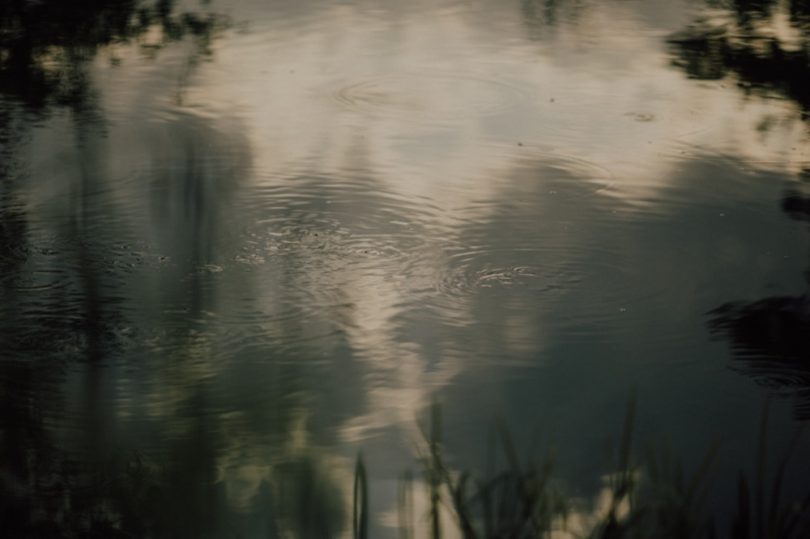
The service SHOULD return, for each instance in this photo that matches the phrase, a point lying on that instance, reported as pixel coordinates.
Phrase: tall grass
(360, 502)
(762, 512)
(649, 495)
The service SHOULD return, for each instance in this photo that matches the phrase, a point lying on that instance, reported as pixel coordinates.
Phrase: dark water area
(242, 242)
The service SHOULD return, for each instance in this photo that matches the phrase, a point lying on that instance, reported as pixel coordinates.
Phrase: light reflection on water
(249, 247)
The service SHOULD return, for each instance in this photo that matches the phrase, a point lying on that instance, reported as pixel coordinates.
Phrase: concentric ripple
(466, 275)
(345, 218)
(430, 95)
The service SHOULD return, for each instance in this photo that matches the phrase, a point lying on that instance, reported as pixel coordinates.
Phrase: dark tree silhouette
(745, 49)
(45, 45)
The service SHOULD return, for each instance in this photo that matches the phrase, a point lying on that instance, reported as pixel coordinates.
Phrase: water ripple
(433, 96)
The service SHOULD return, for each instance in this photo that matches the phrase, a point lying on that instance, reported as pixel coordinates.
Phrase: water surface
(241, 242)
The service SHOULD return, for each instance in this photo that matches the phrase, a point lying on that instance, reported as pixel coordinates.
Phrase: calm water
(242, 241)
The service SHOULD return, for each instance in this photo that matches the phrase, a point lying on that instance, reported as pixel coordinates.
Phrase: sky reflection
(246, 241)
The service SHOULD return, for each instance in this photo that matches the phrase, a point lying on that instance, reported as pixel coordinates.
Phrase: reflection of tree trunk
(40, 328)
(193, 491)
(85, 195)
(21, 430)
(13, 217)
(13, 255)
(200, 211)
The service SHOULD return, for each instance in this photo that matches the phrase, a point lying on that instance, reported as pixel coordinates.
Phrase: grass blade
(360, 505)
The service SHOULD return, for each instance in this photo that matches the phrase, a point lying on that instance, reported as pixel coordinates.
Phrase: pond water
(242, 242)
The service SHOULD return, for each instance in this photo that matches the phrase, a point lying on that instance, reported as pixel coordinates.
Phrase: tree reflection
(796, 205)
(45, 45)
(541, 17)
(769, 336)
(763, 56)
(63, 281)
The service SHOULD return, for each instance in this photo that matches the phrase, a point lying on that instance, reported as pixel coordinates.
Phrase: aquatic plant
(653, 496)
